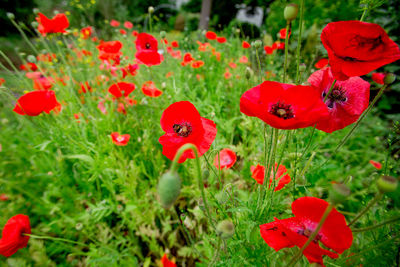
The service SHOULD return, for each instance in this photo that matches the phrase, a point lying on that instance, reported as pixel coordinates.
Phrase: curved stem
(55, 239)
(299, 41)
(370, 204)
(376, 225)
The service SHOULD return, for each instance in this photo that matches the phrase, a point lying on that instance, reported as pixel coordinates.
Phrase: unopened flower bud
(169, 188)
(290, 12)
(56, 12)
(10, 15)
(257, 44)
(302, 67)
(31, 58)
(151, 10)
(163, 34)
(248, 73)
(34, 24)
(35, 10)
(389, 78)
(79, 226)
(339, 193)
(225, 229)
(387, 184)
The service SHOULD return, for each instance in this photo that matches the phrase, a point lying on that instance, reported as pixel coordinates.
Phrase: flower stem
(299, 41)
(55, 239)
(376, 225)
(377, 197)
(313, 235)
(259, 66)
(216, 255)
(286, 51)
(330, 90)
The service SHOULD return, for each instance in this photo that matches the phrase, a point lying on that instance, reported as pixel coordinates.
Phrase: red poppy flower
(284, 106)
(378, 77)
(34, 103)
(183, 124)
(121, 89)
(174, 44)
(135, 33)
(269, 50)
(46, 57)
(345, 103)
(120, 139)
(110, 50)
(128, 25)
(4, 197)
(282, 33)
(85, 87)
(356, 48)
(146, 50)
(174, 53)
(227, 158)
(243, 59)
(197, 64)
(221, 40)
(28, 67)
(86, 32)
(187, 58)
(227, 74)
(114, 23)
(211, 35)
(376, 164)
(57, 24)
(166, 262)
(245, 45)
(12, 238)
(130, 69)
(2, 81)
(321, 63)
(149, 88)
(278, 45)
(258, 172)
(294, 231)
(122, 31)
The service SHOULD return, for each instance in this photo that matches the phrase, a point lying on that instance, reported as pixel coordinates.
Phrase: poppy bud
(389, 78)
(79, 226)
(290, 12)
(387, 184)
(302, 67)
(206, 174)
(249, 72)
(10, 15)
(339, 193)
(169, 188)
(35, 10)
(225, 229)
(257, 44)
(34, 24)
(163, 34)
(151, 9)
(31, 58)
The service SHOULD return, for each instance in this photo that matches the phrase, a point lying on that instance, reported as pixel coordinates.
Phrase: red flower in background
(114, 23)
(282, 33)
(2, 81)
(345, 103)
(278, 45)
(166, 262)
(356, 48)
(243, 59)
(174, 44)
(227, 159)
(57, 24)
(221, 40)
(197, 64)
(28, 67)
(130, 69)
(121, 89)
(269, 50)
(378, 77)
(36, 102)
(376, 164)
(12, 238)
(84, 87)
(284, 106)
(258, 172)
(4, 197)
(120, 139)
(211, 35)
(183, 124)
(128, 25)
(40, 82)
(321, 63)
(86, 32)
(294, 231)
(149, 88)
(187, 58)
(245, 45)
(122, 31)
(146, 50)
(110, 50)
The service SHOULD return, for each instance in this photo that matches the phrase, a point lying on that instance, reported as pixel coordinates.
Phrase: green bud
(56, 12)
(206, 174)
(387, 184)
(389, 78)
(79, 226)
(302, 67)
(31, 58)
(35, 10)
(169, 188)
(225, 229)
(257, 44)
(151, 10)
(249, 73)
(10, 15)
(34, 24)
(338, 193)
(163, 34)
(290, 12)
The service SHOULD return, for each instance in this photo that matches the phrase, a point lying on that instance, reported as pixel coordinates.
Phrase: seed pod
(257, 44)
(150, 9)
(35, 11)
(249, 73)
(169, 188)
(31, 58)
(290, 12)
(339, 193)
(387, 184)
(389, 78)
(225, 229)
(10, 15)
(163, 34)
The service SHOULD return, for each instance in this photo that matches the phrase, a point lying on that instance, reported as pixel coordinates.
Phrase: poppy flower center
(338, 95)
(365, 42)
(147, 45)
(120, 138)
(282, 110)
(308, 232)
(183, 129)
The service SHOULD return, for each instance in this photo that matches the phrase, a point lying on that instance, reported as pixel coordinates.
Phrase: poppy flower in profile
(121, 89)
(345, 103)
(284, 106)
(378, 77)
(187, 58)
(120, 139)
(40, 82)
(321, 63)
(146, 50)
(166, 262)
(245, 45)
(295, 231)
(183, 124)
(128, 25)
(281, 176)
(28, 67)
(114, 23)
(12, 237)
(36, 102)
(356, 48)
(282, 33)
(278, 45)
(110, 50)
(122, 31)
(57, 24)
(149, 88)
(211, 35)
(221, 40)
(86, 32)
(197, 64)
(376, 164)
(174, 44)
(227, 159)
(269, 50)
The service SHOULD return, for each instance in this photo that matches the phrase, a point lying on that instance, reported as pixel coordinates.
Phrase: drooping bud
(389, 78)
(290, 12)
(10, 15)
(387, 184)
(31, 58)
(338, 193)
(257, 44)
(151, 10)
(225, 229)
(169, 188)
(163, 34)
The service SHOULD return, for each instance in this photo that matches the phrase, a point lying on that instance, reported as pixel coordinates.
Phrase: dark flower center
(307, 232)
(147, 45)
(183, 129)
(282, 110)
(338, 95)
(365, 42)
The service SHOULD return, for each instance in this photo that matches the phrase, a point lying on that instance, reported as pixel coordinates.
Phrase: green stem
(364, 13)
(299, 41)
(259, 66)
(286, 51)
(330, 90)
(55, 239)
(25, 37)
(376, 225)
(313, 235)
(216, 255)
(377, 197)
